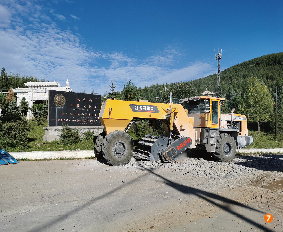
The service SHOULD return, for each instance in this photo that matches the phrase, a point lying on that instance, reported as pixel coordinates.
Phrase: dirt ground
(88, 195)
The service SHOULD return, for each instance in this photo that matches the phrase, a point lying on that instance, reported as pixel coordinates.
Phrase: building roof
(45, 84)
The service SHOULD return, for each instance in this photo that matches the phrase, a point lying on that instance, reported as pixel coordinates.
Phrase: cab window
(197, 107)
(214, 112)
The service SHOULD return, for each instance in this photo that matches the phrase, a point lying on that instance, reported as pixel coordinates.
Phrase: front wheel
(225, 148)
(117, 148)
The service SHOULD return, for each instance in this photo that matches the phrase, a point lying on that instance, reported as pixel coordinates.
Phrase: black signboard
(73, 109)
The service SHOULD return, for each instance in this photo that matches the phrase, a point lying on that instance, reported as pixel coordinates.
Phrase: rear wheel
(225, 148)
(117, 148)
(98, 146)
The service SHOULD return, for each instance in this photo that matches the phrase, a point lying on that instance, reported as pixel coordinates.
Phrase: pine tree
(4, 80)
(24, 106)
(130, 92)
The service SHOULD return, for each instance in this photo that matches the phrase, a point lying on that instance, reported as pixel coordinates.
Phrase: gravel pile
(241, 171)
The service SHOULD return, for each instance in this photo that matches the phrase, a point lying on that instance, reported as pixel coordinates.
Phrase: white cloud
(164, 58)
(146, 74)
(58, 16)
(5, 17)
(74, 17)
(41, 50)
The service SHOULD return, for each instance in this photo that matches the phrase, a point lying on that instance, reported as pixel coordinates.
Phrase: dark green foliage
(130, 92)
(4, 80)
(139, 129)
(257, 103)
(13, 81)
(14, 134)
(88, 135)
(69, 136)
(24, 106)
(14, 128)
(265, 140)
(40, 112)
(10, 112)
(268, 70)
(113, 94)
(2, 100)
(142, 127)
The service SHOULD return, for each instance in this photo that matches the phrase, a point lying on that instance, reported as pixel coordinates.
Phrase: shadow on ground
(270, 162)
(212, 198)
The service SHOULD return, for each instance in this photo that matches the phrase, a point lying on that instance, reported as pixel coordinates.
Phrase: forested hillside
(249, 87)
(268, 69)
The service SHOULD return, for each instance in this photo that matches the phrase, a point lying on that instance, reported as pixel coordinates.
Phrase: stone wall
(54, 132)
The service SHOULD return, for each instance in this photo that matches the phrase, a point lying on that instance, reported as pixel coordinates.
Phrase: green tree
(14, 134)
(2, 100)
(14, 128)
(130, 92)
(4, 80)
(113, 94)
(40, 112)
(11, 112)
(24, 106)
(258, 103)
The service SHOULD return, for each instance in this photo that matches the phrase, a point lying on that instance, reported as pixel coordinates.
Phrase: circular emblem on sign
(59, 100)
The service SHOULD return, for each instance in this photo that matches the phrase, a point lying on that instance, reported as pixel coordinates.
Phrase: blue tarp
(6, 158)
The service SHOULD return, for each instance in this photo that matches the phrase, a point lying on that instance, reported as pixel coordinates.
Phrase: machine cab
(205, 110)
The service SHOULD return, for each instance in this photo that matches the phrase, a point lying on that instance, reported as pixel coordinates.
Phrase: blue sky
(92, 42)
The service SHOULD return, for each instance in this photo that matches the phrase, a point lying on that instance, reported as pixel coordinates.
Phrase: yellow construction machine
(195, 123)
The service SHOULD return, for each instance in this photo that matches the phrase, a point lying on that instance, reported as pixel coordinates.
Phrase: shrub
(14, 135)
(142, 127)
(88, 135)
(14, 128)
(10, 112)
(69, 136)
(40, 112)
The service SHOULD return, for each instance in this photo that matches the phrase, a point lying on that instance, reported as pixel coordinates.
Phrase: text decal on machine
(188, 141)
(144, 108)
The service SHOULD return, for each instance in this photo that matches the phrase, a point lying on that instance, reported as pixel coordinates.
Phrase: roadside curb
(81, 154)
(33, 155)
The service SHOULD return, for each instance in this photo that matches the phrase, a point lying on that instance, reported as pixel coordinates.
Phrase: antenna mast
(218, 58)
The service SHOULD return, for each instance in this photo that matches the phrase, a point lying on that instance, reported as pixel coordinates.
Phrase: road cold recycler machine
(194, 123)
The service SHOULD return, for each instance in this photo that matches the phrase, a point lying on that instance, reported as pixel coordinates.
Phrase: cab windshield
(197, 107)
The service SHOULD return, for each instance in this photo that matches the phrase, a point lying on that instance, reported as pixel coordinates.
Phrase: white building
(38, 91)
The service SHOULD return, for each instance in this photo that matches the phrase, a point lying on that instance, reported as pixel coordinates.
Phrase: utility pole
(218, 57)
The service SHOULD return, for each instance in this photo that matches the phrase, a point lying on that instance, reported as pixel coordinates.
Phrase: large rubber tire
(98, 147)
(117, 148)
(98, 143)
(225, 150)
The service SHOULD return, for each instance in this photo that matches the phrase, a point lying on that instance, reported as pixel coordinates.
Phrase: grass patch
(36, 143)
(264, 140)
